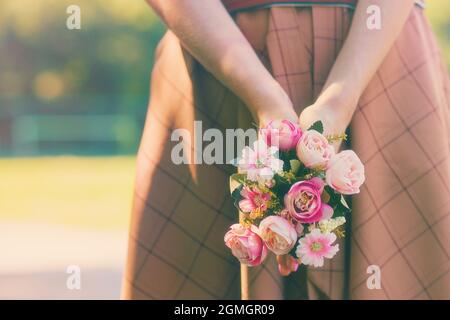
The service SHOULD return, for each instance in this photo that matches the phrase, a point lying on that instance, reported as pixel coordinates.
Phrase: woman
(323, 60)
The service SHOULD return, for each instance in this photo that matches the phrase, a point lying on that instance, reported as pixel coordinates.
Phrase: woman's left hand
(332, 110)
(333, 122)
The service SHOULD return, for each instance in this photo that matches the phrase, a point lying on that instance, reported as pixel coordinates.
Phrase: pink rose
(313, 149)
(304, 203)
(298, 228)
(287, 264)
(345, 172)
(245, 244)
(278, 234)
(297, 225)
(282, 134)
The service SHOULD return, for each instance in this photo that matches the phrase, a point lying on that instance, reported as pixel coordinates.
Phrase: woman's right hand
(277, 112)
(213, 38)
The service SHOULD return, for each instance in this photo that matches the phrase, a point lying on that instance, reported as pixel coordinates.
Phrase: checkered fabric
(401, 131)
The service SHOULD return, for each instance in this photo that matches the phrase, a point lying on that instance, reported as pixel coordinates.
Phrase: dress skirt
(400, 226)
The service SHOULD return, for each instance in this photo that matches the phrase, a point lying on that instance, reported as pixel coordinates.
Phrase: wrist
(335, 107)
(265, 97)
(339, 100)
(273, 104)
(338, 96)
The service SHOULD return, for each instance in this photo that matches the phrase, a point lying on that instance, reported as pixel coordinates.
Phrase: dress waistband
(238, 5)
(235, 5)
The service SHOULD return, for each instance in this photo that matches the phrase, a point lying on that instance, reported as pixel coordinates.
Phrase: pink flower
(245, 244)
(298, 228)
(278, 234)
(261, 163)
(315, 246)
(284, 214)
(287, 264)
(254, 200)
(345, 172)
(313, 149)
(282, 134)
(304, 203)
(297, 225)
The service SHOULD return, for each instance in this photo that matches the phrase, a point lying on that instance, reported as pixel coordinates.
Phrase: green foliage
(236, 195)
(337, 202)
(318, 126)
(282, 186)
(238, 177)
(286, 156)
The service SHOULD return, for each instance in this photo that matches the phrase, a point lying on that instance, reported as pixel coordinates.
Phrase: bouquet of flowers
(290, 190)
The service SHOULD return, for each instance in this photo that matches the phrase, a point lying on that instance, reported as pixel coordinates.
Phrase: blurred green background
(74, 91)
(72, 107)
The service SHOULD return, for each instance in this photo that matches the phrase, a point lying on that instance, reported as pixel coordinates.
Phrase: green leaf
(295, 165)
(344, 202)
(325, 197)
(286, 156)
(281, 187)
(238, 177)
(293, 252)
(236, 195)
(338, 212)
(318, 126)
(334, 197)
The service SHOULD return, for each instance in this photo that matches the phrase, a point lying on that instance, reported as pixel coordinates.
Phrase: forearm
(208, 32)
(364, 51)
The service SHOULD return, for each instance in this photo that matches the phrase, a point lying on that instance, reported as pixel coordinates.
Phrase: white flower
(329, 225)
(260, 163)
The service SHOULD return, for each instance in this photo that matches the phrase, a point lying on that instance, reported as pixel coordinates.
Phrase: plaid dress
(401, 131)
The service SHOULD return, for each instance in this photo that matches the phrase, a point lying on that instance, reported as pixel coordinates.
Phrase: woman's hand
(360, 57)
(334, 108)
(333, 122)
(209, 33)
(274, 104)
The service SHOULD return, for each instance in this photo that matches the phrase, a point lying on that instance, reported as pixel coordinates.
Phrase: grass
(92, 192)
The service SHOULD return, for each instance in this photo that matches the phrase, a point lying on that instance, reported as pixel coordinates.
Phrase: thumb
(307, 117)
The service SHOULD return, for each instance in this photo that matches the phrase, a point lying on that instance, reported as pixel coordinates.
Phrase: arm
(357, 62)
(208, 32)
